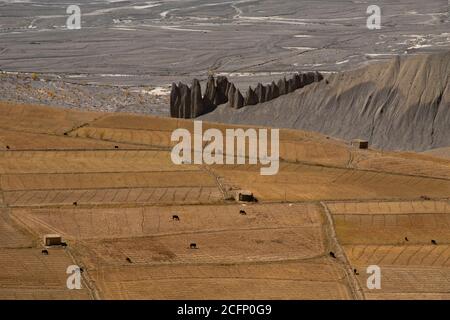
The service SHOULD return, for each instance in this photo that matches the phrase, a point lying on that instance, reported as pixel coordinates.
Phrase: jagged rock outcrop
(175, 101)
(260, 93)
(196, 99)
(188, 102)
(317, 77)
(231, 95)
(291, 85)
(275, 90)
(269, 93)
(250, 97)
(282, 86)
(235, 98)
(185, 105)
(222, 86)
(228, 88)
(297, 81)
(238, 100)
(210, 93)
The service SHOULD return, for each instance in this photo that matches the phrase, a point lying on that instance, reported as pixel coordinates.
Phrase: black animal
(44, 252)
(7, 147)
(433, 242)
(75, 203)
(406, 239)
(193, 246)
(332, 255)
(81, 270)
(175, 218)
(242, 212)
(63, 244)
(129, 260)
(116, 147)
(356, 272)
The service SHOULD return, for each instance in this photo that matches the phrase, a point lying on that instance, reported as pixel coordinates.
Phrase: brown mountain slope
(399, 105)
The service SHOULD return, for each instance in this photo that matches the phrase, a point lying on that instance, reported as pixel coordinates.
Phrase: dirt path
(334, 245)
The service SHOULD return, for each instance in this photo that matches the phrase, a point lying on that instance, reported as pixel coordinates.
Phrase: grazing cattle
(63, 244)
(356, 272)
(81, 270)
(44, 252)
(242, 212)
(193, 246)
(425, 198)
(7, 147)
(406, 239)
(75, 203)
(116, 147)
(332, 255)
(128, 260)
(433, 242)
(175, 218)
(65, 133)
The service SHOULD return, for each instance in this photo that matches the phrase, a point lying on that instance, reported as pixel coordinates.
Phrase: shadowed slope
(399, 105)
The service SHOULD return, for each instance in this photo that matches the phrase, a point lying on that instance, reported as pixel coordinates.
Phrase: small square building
(245, 196)
(360, 144)
(52, 240)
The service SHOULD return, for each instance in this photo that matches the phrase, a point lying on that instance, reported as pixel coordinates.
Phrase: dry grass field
(397, 236)
(107, 185)
(312, 279)
(309, 182)
(26, 273)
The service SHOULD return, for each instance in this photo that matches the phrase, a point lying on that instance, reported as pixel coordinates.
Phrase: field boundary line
(209, 171)
(352, 281)
(89, 284)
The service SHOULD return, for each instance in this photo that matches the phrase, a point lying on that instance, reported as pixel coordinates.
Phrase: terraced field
(408, 240)
(94, 223)
(107, 185)
(26, 273)
(309, 182)
(313, 279)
